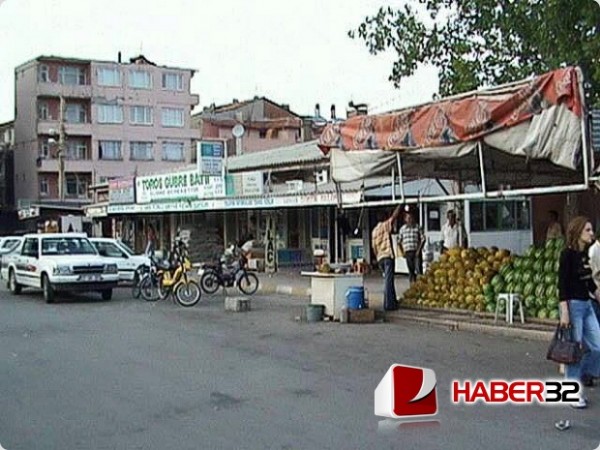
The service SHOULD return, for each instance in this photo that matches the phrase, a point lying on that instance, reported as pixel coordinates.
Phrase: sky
(295, 52)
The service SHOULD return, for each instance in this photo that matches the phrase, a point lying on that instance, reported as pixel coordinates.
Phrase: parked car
(8, 245)
(121, 255)
(59, 262)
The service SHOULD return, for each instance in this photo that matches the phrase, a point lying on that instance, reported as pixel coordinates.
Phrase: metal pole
(400, 176)
(61, 151)
(584, 135)
(481, 167)
(477, 195)
(393, 184)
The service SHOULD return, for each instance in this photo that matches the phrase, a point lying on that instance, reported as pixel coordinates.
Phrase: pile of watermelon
(533, 275)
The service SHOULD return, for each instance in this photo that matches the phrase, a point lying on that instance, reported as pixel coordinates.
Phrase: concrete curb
(458, 325)
(407, 315)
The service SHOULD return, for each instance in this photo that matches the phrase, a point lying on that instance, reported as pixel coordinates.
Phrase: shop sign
(252, 183)
(96, 211)
(270, 256)
(235, 203)
(210, 157)
(188, 185)
(121, 191)
(29, 213)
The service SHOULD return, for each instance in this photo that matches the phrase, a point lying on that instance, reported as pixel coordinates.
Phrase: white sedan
(120, 254)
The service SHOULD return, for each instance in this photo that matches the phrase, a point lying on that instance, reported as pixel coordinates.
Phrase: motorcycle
(228, 272)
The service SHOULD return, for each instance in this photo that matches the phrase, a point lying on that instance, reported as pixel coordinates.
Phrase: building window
(141, 115)
(499, 215)
(109, 76)
(110, 150)
(262, 134)
(110, 114)
(172, 117)
(140, 79)
(71, 75)
(172, 151)
(43, 113)
(75, 113)
(44, 188)
(77, 185)
(77, 150)
(45, 150)
(43, 74)
(172, 81)
(141, 151)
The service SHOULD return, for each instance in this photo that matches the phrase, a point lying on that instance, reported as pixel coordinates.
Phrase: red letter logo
(406, 392)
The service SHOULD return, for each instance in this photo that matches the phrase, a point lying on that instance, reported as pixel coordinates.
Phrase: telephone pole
(61, 151)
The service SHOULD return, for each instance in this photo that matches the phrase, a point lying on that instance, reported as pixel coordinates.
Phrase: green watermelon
(505, 269)
(527, 277)
(540, 289)
(554, 314)
(552, 303)
(488, 289)
(542, 314)
(538, 266)
(529, 301)
(531, 312)
(491, 308)
(517, 276)
(517, 263)
(540, 302)
(538, 277)
(508, 277)
(510, 287)
(550, 244)
(549, 254)
(539, 253)
(490, 299)
(549, 292)
(559, 243)
(528, 289)
(528, 264)
(549, 266)
(496, 279)
(530, 253)
(549, 279)
(518, 288)
(556, 266)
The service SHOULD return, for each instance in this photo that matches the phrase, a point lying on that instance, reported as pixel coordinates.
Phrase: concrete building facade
(120, 119)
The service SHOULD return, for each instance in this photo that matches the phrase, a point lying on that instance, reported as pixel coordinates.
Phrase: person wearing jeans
(381, 241)
(411, 241)
(577, 291)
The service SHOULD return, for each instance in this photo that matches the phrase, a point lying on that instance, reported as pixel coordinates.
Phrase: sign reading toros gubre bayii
(187, 185)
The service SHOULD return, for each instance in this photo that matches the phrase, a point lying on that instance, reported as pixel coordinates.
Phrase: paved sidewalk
(290, 282)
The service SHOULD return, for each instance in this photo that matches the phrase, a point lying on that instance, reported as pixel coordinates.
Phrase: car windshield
(67, 246)
(126, 248)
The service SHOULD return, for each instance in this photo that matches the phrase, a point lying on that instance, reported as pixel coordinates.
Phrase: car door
(27, 263)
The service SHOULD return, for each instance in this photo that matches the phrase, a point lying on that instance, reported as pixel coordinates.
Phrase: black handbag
(563, 349)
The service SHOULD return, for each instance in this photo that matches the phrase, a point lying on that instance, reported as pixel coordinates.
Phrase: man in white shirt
(452, 232)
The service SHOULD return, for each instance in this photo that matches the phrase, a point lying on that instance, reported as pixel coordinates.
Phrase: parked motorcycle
(228, 272)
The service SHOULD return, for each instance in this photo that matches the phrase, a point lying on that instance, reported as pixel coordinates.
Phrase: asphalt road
(125, 374)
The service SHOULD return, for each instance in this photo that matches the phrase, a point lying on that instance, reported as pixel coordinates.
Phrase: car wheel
(107, 294)
(15, 288)
(47, 289)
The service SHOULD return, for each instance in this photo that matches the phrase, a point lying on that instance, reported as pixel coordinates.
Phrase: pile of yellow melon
(457, 279)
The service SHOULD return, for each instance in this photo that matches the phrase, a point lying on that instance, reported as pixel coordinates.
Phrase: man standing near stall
(381, 241)
(411, 241)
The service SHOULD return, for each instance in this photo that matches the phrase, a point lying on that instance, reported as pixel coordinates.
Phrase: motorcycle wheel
(210, 282)
(188, 294)
(248, 283)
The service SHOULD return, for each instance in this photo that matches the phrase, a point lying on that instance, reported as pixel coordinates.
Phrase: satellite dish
(238, 130)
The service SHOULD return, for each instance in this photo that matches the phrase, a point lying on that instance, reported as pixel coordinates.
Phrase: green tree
(477, 43)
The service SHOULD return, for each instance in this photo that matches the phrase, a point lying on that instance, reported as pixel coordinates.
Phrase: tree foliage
(477, 43)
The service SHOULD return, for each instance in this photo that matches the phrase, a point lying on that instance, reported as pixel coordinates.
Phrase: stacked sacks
(458, 279)
(534, 276)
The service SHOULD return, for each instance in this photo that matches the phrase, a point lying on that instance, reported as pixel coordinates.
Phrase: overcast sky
(294, 52)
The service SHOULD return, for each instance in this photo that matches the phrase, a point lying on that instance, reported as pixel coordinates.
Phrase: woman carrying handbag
(577, 291)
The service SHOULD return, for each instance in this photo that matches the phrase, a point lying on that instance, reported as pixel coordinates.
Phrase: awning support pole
(584, 135)
(400, 175)
(393, 184)
(481, 168)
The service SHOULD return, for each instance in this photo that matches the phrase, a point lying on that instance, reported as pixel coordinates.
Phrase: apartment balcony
(71, 165)
(66, 90)
(49, 127)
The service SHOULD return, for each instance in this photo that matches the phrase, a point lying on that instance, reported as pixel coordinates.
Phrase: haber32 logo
(406, 392)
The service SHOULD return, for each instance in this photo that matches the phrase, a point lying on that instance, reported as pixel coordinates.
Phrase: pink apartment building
(121, 118)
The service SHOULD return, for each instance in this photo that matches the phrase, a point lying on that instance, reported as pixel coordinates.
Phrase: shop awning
(529, 132)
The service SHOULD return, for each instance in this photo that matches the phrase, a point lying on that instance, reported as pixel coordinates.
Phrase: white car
(120, 254)
(60, 262)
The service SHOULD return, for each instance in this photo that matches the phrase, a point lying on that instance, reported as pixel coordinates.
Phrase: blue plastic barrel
(355, 297)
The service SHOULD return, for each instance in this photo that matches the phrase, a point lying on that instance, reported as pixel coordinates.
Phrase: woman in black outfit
(577, 291)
